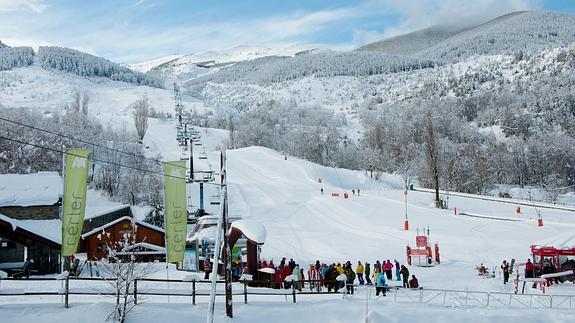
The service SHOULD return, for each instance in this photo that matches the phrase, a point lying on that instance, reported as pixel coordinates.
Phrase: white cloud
(37, 6)
(413, 15)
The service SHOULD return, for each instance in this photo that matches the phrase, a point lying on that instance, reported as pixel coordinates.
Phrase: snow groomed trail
(284, 195)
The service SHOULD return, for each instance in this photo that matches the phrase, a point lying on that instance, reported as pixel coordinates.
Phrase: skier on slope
(350, 279)
(312, 275)
(388, 266)
(413, 283)
(367, 272)
(529, 268)
(377, 266)
(397, 270)
(379, 282)
(505, 269)
(405, 275)
(296, 273)
(359, 269)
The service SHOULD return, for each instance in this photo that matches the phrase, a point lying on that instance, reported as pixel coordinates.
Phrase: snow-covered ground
(284, 196)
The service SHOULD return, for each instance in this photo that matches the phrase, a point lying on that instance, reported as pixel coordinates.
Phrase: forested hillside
(11, 57)
(73, 61)
(497, 100)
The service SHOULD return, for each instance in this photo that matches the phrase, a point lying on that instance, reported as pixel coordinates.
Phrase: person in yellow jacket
(359, 271)
(339, 269)
(374, 276)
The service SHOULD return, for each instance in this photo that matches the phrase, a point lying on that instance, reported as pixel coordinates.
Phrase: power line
(94, 159)
(82, 140)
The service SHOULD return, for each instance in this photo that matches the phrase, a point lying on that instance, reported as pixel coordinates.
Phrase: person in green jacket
(296, 273)
(350, 279)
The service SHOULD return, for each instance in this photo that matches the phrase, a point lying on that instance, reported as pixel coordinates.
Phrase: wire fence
(97, 287)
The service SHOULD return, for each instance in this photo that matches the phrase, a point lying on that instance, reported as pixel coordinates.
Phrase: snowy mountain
(146, 66)
(499, 93)
(526, 31)
(185, 67)
(413, 42)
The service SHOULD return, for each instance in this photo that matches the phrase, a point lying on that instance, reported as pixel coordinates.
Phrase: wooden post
(194, 292)
(245, 292)
(66, 291)
(293, 290)
(135, 292)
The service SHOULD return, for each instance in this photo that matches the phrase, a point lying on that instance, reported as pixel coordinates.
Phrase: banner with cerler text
(176, 210)
(74, 204)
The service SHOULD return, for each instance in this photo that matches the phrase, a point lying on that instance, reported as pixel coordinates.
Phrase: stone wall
(49, 212)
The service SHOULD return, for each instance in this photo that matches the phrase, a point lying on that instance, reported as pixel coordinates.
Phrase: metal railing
(461, 298)
(191, 288)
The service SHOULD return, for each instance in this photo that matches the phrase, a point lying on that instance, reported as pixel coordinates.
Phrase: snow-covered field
(284, 196)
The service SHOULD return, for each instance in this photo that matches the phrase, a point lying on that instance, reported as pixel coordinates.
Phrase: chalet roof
(42, 188)
(46, 229)
(124, 218)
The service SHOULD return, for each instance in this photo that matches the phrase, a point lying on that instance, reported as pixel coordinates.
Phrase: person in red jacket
(286, 272)
(529, 269)
(505, 269)
(278, 278)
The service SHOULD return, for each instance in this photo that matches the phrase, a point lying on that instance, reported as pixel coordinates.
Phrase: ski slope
(284, 196)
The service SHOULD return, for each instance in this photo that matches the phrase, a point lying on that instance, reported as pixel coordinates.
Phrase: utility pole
(191, 161)
(226, 254)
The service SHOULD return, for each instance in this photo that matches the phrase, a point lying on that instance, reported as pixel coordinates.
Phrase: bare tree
(76, 101)
(432, 156)
(85, 101)
(141, 114)
(121, 270)
(231, 128)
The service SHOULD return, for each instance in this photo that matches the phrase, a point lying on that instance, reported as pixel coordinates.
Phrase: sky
(130, 31)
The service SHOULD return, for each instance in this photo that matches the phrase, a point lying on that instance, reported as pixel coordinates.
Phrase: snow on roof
(118, 220)
(561, 241)
(140, 212)
(252, 230)
(48, 229)
(267, 270)
(206, 234)
(144, 245)
(42, 188)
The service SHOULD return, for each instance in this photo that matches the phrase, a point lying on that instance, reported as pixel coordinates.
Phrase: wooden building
(21, 240)
(125, 235)
(29, 221)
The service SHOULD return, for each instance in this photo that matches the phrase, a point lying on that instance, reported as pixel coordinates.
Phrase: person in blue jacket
(380, 284)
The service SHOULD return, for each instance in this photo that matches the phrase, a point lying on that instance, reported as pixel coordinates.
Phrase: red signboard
(421, 241)
(418, 252)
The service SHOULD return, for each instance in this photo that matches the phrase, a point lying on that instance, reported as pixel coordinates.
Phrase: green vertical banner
(75, 186)
(176, 209)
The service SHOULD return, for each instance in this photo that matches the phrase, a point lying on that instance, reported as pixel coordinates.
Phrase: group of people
(337, 276)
